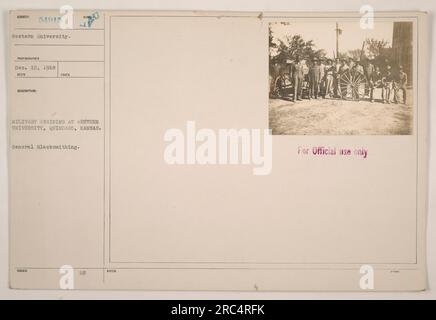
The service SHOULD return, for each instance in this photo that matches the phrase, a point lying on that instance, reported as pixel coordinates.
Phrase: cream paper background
(406, 255)
(308, 210)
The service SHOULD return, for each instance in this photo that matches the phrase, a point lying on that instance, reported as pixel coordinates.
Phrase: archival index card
(217, 151)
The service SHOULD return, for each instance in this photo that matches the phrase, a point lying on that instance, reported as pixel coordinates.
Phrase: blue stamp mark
(89, 20)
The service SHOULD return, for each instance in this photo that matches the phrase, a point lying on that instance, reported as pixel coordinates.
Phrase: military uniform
(297, 71)
(329, 80)
(314, 80)
(375, 81)
(387, 85)
(369, 70)
(400, 84)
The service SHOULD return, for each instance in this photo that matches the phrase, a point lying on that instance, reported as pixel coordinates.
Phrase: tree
(375, 47)
(292, 46)
(355, 54)
(272, 44)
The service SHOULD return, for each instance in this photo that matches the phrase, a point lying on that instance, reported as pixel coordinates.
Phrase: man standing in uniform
(297, 78)
(374, 79)
(321, 88)
(401, 85)
(387, 85)
(369, 71)
(314, 78)
(329, 79)
(358, 67)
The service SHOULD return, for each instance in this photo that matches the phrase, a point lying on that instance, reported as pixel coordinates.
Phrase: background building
(402, 47)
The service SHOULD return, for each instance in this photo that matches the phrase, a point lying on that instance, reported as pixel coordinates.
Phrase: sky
(324, 35)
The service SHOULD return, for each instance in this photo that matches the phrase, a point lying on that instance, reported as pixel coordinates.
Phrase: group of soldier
(323, 75)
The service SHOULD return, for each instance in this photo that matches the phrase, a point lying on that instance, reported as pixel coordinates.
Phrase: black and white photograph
(338, 78)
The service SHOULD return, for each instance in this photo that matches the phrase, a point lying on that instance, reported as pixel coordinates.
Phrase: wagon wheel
(352, 85)
(276, 87)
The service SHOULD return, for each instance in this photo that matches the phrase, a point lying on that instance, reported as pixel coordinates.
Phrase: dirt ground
(340, 117)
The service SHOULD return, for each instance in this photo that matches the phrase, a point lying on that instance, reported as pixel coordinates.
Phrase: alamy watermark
(366, 281)
(66, 280)
(367, 19)
(219, 147)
